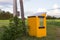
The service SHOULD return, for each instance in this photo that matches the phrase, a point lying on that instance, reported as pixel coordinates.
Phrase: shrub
(14, 30)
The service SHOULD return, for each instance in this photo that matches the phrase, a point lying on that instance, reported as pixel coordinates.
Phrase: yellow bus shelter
(37, 25)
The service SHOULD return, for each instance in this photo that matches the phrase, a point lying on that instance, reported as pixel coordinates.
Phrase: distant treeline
(52, 17)
(5, 15)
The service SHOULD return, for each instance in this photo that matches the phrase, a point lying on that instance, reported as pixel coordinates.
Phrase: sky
(33, 6)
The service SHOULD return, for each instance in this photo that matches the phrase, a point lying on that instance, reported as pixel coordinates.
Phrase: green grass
(4, 22)
(51, 29)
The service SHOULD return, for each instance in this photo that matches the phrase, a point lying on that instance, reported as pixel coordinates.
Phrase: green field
(4, 22)
(51, 29)
(52, 25)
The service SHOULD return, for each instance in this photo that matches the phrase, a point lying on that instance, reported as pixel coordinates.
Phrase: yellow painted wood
(34, 24)
(41, 32)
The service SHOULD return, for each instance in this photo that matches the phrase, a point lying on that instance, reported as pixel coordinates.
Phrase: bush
(14, 31)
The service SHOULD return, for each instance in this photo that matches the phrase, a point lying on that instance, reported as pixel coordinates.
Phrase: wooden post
(22, 15)
(14, 8)
(22, 10)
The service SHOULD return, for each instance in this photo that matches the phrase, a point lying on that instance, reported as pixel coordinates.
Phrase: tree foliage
(5, 15)
(51, 17)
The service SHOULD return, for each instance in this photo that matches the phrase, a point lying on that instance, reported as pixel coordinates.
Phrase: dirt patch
(57, 33)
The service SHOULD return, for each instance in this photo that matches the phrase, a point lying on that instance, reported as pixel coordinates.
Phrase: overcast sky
(31, 6)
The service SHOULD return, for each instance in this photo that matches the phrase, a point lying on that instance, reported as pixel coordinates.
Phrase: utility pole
(14, 8)
(22, 15)
(22, 10)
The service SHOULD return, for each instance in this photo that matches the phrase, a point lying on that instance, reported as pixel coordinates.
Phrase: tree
(51, 17)
(5, 15)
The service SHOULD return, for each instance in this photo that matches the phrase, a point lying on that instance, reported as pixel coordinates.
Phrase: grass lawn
(51, 29)
(4, 22)
(52, 25)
